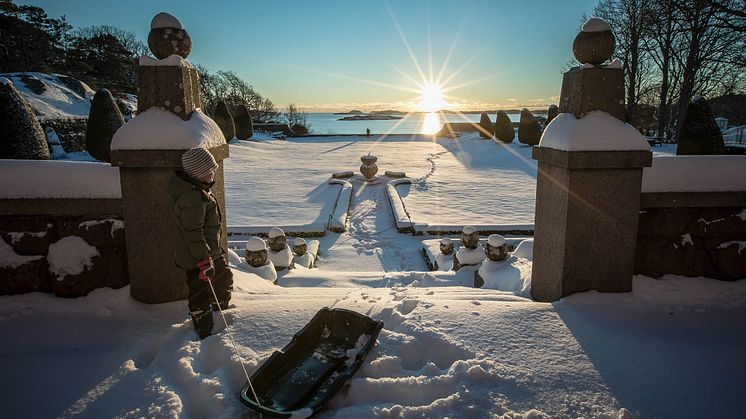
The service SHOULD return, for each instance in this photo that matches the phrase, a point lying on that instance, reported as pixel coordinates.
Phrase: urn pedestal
(368, 168)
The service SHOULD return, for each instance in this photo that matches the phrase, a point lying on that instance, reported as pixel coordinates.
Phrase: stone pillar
(147, 160)
(588, 189)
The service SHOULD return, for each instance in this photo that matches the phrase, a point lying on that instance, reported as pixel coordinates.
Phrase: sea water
(418, 123)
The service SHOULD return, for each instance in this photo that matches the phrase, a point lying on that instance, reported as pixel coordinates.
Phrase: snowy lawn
(284, 182)
(672, 348)
(461, 181)
(474, 181)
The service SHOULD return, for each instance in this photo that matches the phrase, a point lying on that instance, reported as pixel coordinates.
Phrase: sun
(431, 98)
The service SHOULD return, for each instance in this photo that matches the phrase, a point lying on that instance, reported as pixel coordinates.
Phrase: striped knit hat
(198, 162)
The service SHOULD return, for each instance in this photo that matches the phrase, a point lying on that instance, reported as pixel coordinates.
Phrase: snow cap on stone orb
(446, 241)
(165, 20)
(275, 232)
(495, 240)
(469, 230)
(167, 37)
(299, 241)
(256, 244)
(595, 43)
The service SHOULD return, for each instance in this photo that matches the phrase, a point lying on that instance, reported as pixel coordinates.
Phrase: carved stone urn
(368, 168)
(496, 249)
(256, 252)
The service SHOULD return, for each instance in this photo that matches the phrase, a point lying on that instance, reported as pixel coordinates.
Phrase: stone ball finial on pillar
(167, 37)
(595, 43)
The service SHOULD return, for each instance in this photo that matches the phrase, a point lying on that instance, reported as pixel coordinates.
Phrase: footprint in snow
(407, 306)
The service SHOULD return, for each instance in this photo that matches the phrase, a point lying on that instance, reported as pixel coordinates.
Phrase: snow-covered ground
(464, 181)
(59, 96)
(672, 348)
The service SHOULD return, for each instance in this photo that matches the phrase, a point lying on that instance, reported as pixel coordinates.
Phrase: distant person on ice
(197, 223)
(367, 132)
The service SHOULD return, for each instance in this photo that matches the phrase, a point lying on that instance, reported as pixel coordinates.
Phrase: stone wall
(70, 130)
(692, 234)
(68, 247)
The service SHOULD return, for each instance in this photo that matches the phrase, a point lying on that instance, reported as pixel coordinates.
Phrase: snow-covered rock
(70, 255)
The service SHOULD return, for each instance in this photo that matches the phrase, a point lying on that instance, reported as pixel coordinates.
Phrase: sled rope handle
(233, 343)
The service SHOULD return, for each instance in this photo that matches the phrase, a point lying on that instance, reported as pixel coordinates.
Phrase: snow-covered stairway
(373, 231)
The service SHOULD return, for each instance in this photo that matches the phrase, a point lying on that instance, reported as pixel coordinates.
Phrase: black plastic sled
(316, 363)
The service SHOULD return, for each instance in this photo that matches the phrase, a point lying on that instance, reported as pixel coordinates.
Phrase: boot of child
(202, 321)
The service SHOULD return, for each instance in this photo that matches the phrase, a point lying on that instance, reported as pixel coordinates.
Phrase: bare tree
(297, 118)
(129, 40)
(236, 92)
(627, 19)
(707, 51)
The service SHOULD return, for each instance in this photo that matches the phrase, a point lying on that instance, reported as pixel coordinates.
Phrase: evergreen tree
(26, 40)
(552, 113)
(103, 121)
(244, 125)
(504, 127)
(21, 136)
(224, 120)
(485, 126)
(102, 60)
(528, 128)
(700, 133)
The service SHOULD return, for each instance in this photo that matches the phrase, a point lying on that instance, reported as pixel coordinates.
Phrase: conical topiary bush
(224, 120)
(21, 136)
(244, 125)
(103, 121)
(486, 126)
(528, 128)
(552, 113)
(504, 127)
(700, 133)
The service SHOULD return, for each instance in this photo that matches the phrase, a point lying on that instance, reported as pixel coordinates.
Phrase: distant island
(369, 118)
(387, 112)
(352, 112)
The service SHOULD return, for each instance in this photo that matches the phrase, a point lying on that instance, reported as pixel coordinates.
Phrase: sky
(368, 55)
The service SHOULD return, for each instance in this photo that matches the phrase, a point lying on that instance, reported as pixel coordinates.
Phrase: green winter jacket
(196, 221)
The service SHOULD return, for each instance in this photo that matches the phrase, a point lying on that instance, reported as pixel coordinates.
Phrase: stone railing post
(148, 150)
(589, 179)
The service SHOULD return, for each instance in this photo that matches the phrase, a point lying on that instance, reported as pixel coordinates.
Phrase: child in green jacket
(197, 226)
